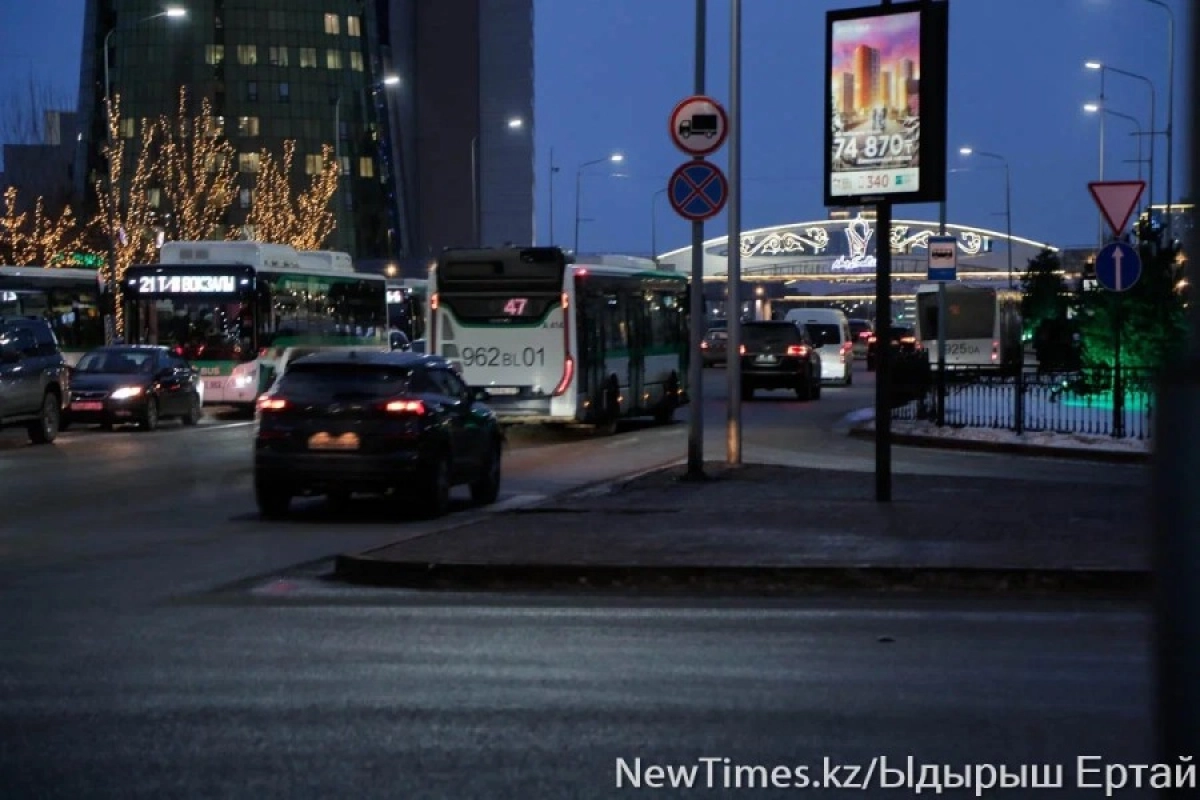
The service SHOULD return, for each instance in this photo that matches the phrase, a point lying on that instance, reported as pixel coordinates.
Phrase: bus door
(591, 336)
(635, 311)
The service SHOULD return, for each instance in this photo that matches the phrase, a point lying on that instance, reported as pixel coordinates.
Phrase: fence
(1077, 402)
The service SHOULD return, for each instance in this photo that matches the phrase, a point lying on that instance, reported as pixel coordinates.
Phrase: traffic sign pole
(733, 432)
(695, 467)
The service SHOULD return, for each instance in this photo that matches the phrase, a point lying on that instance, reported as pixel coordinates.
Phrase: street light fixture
(172, 12)
(516, 123)
(967, 151)
(1102, 68)
(1094, 108)
(615, 158)
(391, 80)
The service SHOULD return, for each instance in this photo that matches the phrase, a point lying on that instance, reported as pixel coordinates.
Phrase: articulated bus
(558, 342)
(983, 326)
(69, 299)
(240, 310)
(406, 299)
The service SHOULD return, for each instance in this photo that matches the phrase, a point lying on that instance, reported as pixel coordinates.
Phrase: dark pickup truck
(33, 378)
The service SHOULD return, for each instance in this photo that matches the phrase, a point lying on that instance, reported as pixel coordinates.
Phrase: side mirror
(480, 395)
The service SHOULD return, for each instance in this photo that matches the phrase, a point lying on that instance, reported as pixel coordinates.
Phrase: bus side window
(615, 330)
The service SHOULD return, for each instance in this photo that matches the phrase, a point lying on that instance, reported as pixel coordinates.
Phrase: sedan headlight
(125, 392)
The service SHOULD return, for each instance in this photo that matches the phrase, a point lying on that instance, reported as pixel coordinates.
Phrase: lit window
(154, 197)
(285, 93)
(366, 167)
(245, 197)
(214, 54)
(248, 54)
(277, 56)
(308, 56)
(127, 128)
(353, 26)
(248, 126)
(216, 126)
(248, 162)
(313, 164)
(333, 59)
(331, 24)
(356, 61)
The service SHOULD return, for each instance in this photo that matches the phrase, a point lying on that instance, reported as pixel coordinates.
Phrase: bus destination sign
(187, 284)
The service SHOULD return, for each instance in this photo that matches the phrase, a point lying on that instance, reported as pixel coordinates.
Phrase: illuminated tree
(40, 240)
(277, 215)
(14, 243)
(126, 216)
(196, 172)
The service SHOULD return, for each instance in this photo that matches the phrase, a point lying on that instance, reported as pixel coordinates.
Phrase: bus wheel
(666, 410)
(610, 409)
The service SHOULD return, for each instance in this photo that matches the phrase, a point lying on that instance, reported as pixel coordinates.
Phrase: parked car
(713, 349)
(779, 355)
(341, 422)
(860, 333)
(903, 340)
(140, 384)
(34, 378)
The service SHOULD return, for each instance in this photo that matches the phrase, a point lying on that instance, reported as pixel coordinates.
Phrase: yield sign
(1116, 200)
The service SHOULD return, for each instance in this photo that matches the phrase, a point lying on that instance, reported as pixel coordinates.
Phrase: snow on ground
(1066, 441)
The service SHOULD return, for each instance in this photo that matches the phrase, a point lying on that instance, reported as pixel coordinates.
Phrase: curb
(1039, 450)
(756, 580)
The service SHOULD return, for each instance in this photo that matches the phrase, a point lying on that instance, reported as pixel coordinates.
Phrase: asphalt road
(158, 640)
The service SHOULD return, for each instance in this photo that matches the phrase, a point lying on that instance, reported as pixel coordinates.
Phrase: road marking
(516, 501)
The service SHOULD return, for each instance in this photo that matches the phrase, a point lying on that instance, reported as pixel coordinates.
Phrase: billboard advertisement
(885, 104)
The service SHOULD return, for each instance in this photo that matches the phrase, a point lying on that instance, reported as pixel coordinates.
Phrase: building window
(331, 24)
(366, 167)
(353, 26)
(356, 61)
(308, 56)
(252, 91)
(343, 165)
(245, 197)
(127, 128)
(333, 59)
(313, 164)
(275, 20)
(248, 126)
(348, 200)
(248, 162)
(343, 130)
(285, 93)
(247, 54)
(277, 56)
(216, 127)
(154, 197)
(214, 54)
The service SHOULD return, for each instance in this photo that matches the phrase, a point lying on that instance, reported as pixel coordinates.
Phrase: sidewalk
(770, 527)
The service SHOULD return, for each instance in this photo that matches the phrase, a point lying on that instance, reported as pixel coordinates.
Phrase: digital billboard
(885, 104)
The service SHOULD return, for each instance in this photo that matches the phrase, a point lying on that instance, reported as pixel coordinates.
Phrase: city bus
(406, 298)
(239, 310)
(983, 326)
(69, 299)
(558, 342)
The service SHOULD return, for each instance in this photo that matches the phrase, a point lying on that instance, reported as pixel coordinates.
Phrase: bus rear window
(500, 307)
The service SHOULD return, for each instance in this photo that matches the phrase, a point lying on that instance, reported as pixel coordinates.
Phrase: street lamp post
(174, 12)
(1096, 108)
(1106, 68)
(654, 224)
(966, 151)
(1170, 129)
(514, 124)
(615, 158)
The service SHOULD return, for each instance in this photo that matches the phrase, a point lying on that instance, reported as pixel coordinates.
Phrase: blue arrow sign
(1118, 267)
(697, 190)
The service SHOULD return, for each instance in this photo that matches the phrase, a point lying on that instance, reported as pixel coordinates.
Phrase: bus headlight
(242, 381)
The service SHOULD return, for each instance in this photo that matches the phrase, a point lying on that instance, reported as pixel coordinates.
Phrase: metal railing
(1081, 402)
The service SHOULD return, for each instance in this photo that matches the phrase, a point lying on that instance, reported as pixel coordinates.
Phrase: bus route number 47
(515, 307)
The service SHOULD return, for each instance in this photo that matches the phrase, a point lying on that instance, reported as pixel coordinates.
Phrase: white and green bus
(558, 342)
(69, 299)
(238, 311)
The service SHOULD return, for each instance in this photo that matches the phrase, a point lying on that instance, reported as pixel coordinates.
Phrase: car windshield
(823, 334)
(344, 381)
(117, 362)
(754, 336)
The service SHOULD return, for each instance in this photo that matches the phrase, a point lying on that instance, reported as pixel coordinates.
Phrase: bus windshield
(197, 329)
(504, 290)
(969, 315)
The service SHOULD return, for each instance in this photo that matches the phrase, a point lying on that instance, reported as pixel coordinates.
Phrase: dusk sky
(609, 73)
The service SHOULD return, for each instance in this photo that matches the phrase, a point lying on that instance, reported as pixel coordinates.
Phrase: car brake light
(568, 374)
(404, 407)
(704, 345)
(269, 403)
(741, 349)
(797, 350)
(865, 335)
(433, 301)
(995, 351)
(907, 339)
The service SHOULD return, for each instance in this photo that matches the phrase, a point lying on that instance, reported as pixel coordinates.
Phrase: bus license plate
(502, 391)
(325, 441)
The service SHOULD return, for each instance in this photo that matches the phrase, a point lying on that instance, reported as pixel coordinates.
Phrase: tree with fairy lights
(196, 172)
(124, 213)
(279, 215)
(38, 240)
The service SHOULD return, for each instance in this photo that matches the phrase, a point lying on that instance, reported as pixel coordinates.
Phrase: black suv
(779, 355)
(343, 422)
(33, 378)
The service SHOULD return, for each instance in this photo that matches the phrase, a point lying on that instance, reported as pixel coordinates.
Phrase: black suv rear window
(823, 334)
(754, 336)
(345, 380)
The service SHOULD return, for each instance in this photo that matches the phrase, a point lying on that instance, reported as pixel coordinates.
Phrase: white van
(830, 332)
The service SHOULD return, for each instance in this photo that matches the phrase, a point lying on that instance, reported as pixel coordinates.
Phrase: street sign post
(699, 125)
(697, 190)
(1118, 267)
(943, 267)
(1117, 200)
